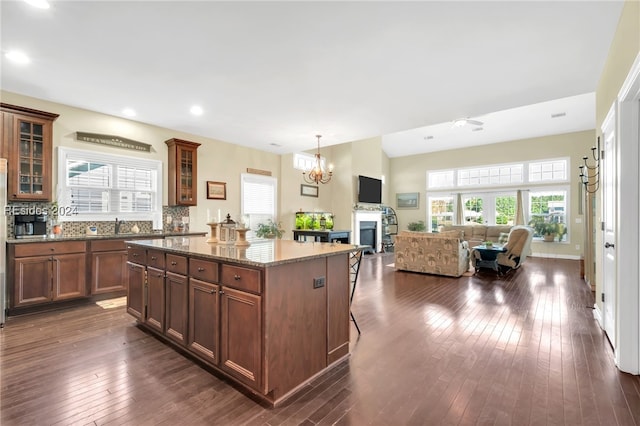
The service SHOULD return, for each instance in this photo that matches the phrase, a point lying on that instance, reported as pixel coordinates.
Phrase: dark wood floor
(520, 350)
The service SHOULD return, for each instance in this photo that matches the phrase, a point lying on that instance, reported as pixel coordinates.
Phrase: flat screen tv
(369, 190)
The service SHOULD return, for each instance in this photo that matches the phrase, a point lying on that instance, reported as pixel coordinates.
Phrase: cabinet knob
(51, 258)
(153, 258)
(213, 291)
(200, 269)
(174, 263)
(52, 249)
(221, 291)
(236, 277)
(135, 254)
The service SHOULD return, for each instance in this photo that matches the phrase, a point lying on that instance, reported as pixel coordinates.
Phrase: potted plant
(547, 230)
(270, 229)
(418, 226)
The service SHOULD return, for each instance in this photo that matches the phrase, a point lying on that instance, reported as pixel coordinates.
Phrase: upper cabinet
(183, 169)
(27, 142)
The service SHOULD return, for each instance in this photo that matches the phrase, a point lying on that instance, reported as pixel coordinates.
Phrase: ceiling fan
(461, 122)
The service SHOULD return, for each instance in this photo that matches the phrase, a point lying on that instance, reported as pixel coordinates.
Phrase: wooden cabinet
(137, 278)
(183, 172)
(241, 335)
(204, 319)
(155, 299)
(268, 329)
(47, 272)
(109, 271)
(177, 298)
(27, 140)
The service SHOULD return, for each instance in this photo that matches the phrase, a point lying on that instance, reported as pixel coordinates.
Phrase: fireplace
(367, 229)
(368, 234)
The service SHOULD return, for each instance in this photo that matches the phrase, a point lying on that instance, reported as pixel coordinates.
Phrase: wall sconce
(590, 174)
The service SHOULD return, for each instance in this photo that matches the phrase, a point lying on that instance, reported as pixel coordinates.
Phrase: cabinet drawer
(108, 245)
(241, 278)
(41, 249)
(155, 258)
(137, 255)
(203, 270)
(177, 264)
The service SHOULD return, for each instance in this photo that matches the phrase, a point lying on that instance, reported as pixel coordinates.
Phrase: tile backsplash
(76, 229)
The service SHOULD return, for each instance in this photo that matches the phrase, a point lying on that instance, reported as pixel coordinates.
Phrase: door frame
(627, 353)
(610, 231)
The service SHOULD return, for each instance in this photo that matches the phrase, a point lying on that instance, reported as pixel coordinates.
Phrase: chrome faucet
(118, 224)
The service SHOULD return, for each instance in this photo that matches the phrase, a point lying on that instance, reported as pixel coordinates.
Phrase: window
(494, 175)
(549, 206)
(505, 209)
(441, 212)
(304, 162)
(440, 179)
(491, 175)
(99, 187)
(258, 199)
(473, 210)
(548, 171)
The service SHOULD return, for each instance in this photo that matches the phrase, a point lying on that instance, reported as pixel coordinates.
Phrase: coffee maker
(30, 226)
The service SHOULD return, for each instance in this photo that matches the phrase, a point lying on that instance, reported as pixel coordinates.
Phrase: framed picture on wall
(308, 190)
(216, 190)
(408, 200)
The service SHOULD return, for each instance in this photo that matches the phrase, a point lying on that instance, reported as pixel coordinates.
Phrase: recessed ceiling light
(477, 129)
(560, 114)
(275, 144)
(426, 138)
(17, 57)
(129, 112)
(40, 4)
(196, 110)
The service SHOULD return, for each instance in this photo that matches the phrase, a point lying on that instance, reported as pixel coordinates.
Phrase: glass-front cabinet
(183, 169)
(27, 137)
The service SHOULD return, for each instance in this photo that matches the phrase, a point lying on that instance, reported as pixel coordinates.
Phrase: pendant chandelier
(317, 174)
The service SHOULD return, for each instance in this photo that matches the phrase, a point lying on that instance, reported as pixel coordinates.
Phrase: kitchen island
(270, 316)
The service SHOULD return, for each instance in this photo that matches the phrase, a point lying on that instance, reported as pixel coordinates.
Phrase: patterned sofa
(445, 253)
(477, 234)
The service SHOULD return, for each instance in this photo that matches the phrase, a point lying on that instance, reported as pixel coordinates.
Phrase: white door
(609, 210)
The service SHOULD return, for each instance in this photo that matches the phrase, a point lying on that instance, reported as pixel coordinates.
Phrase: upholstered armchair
(518, 248)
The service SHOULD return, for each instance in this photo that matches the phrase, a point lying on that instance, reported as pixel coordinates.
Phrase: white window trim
(479, 188)
(62, 195)
(249, 177)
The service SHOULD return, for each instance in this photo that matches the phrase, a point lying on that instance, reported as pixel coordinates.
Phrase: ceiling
(272, 75)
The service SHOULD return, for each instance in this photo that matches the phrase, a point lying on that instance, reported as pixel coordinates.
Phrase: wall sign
(115, 141)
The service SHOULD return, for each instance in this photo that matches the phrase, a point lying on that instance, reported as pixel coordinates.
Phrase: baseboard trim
(556, 256)
(598, 316)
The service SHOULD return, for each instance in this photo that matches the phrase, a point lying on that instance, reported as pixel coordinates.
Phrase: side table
(488, 257)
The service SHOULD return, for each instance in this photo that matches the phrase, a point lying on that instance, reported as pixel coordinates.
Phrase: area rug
(112, 303)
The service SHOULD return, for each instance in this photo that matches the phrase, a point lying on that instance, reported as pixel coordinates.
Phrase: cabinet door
(32, 280)
(135, 290)
(69, 276)
(241, 331)
(109, 272)
(155, 299)
(204, 322)
(177, 296)
(182, 172)
(30, 168)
